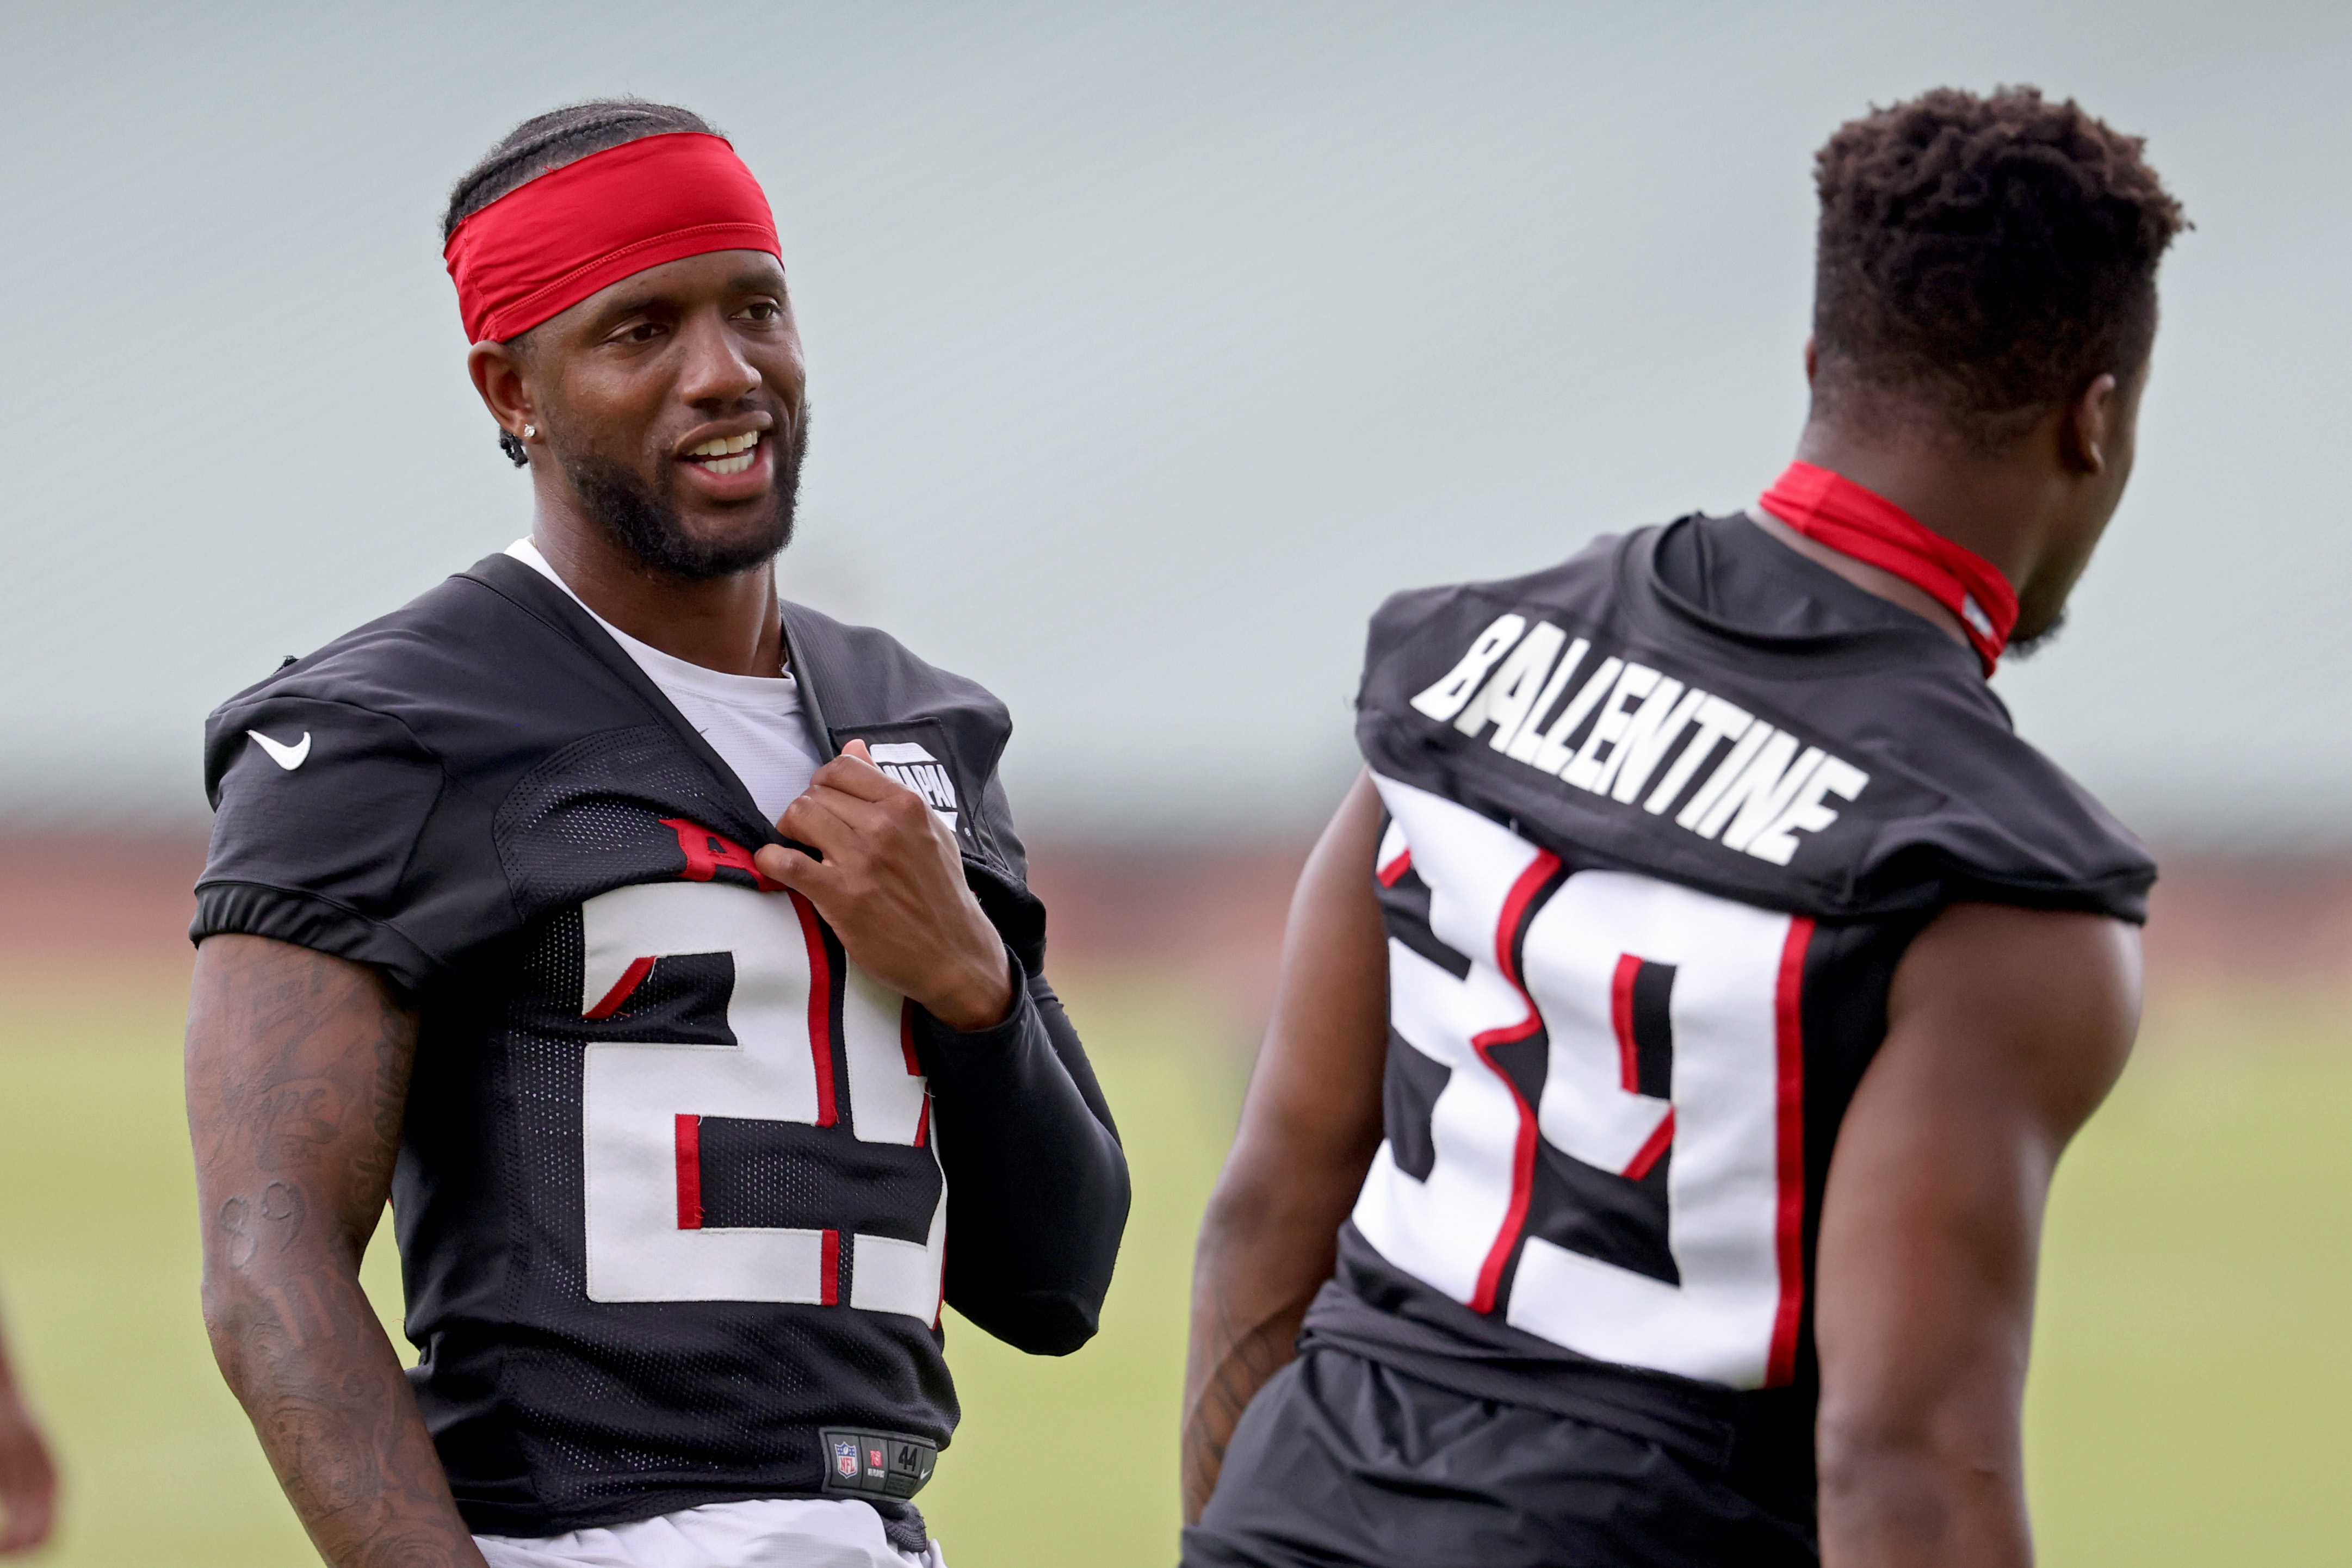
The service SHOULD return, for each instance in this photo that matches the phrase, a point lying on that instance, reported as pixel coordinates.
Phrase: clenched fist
(891, 885)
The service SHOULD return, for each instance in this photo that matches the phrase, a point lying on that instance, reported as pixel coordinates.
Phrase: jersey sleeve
(319, 809)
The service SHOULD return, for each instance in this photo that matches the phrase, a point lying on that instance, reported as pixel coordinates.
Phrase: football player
(663, 949)
(1682, 1017)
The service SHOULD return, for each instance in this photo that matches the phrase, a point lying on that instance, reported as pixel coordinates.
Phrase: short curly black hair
(546, 142)
(1981, 261)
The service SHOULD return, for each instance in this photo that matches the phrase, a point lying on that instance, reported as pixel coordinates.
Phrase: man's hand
(891, 885)
(28, 1481)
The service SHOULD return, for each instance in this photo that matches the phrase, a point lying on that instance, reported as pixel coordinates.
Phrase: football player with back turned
(1682, 1018)
(662, 949)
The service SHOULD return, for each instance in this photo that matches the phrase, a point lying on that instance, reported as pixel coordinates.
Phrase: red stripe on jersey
(829, 1270)
(820, 1009)
(1650, 1152)
(689, 1172)
(1621, 1014)
(914, 1067)
(631, 978)
(1790, 1226)
(1393, 872)
(906, 1037)
(1523, 1153)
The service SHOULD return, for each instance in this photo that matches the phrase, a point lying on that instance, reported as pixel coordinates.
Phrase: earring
(528, 431)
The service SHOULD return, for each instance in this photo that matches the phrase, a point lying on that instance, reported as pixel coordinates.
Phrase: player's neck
(1998, 505)
(1994, 505)
(1870, 578)
(731, 624)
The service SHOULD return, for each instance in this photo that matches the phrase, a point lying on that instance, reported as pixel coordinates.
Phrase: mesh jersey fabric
(1663, 821)
(500, 809)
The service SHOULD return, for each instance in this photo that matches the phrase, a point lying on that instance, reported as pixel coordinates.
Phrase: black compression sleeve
(1037, 1185)
(1071, 1051)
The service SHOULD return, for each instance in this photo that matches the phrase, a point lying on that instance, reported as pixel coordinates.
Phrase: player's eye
(763, 310)
(637, 332)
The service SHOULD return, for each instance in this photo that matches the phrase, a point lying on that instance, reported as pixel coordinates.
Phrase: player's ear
(1812, 358)
(2086, 427)
(500, 376)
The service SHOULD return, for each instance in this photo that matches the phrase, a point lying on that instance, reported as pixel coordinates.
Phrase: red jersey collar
(1860, 522)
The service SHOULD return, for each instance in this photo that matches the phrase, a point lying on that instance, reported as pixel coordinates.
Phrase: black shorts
(1343, 1460)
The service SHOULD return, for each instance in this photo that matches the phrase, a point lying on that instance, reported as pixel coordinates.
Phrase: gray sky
(1151, 348)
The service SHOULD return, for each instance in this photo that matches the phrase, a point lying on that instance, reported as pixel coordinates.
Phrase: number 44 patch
(877, 1464)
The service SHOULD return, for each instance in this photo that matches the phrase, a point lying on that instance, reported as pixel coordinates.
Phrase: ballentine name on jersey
(1643, 725)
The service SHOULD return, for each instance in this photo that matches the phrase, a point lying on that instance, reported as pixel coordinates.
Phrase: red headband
(544, 247)
(1868, 526)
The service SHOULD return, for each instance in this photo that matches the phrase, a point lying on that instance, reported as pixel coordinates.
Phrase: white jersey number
(1730, 1126)
(642, 1104)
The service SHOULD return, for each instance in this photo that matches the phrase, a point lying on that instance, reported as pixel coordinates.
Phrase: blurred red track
(78, 905)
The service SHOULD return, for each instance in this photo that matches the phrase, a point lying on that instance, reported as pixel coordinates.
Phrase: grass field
(2187, 1402)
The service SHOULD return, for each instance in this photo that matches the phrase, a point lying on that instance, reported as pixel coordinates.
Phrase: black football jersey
(1661, 821)
(676, 1180)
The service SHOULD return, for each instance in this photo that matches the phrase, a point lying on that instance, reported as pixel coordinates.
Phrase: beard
(2026, 647)
(643, 516)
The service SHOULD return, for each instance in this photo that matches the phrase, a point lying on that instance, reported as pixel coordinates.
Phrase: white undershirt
(753, 722)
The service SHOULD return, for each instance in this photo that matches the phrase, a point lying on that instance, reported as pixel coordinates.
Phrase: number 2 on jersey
(643, 1105)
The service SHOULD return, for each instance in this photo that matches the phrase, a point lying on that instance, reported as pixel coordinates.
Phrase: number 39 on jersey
(1593, 1101)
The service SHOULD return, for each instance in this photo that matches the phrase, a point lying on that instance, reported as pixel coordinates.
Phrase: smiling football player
(661, 949)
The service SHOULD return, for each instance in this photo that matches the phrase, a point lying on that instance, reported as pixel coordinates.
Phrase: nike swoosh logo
(290, 757)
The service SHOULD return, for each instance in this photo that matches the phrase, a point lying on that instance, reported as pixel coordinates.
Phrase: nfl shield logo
(844, 1460)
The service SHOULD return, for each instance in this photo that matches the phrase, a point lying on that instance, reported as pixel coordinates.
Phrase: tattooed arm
(297, 1072)
(1309, 1126)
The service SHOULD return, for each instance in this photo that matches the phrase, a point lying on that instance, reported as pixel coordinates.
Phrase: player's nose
(717, 371)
